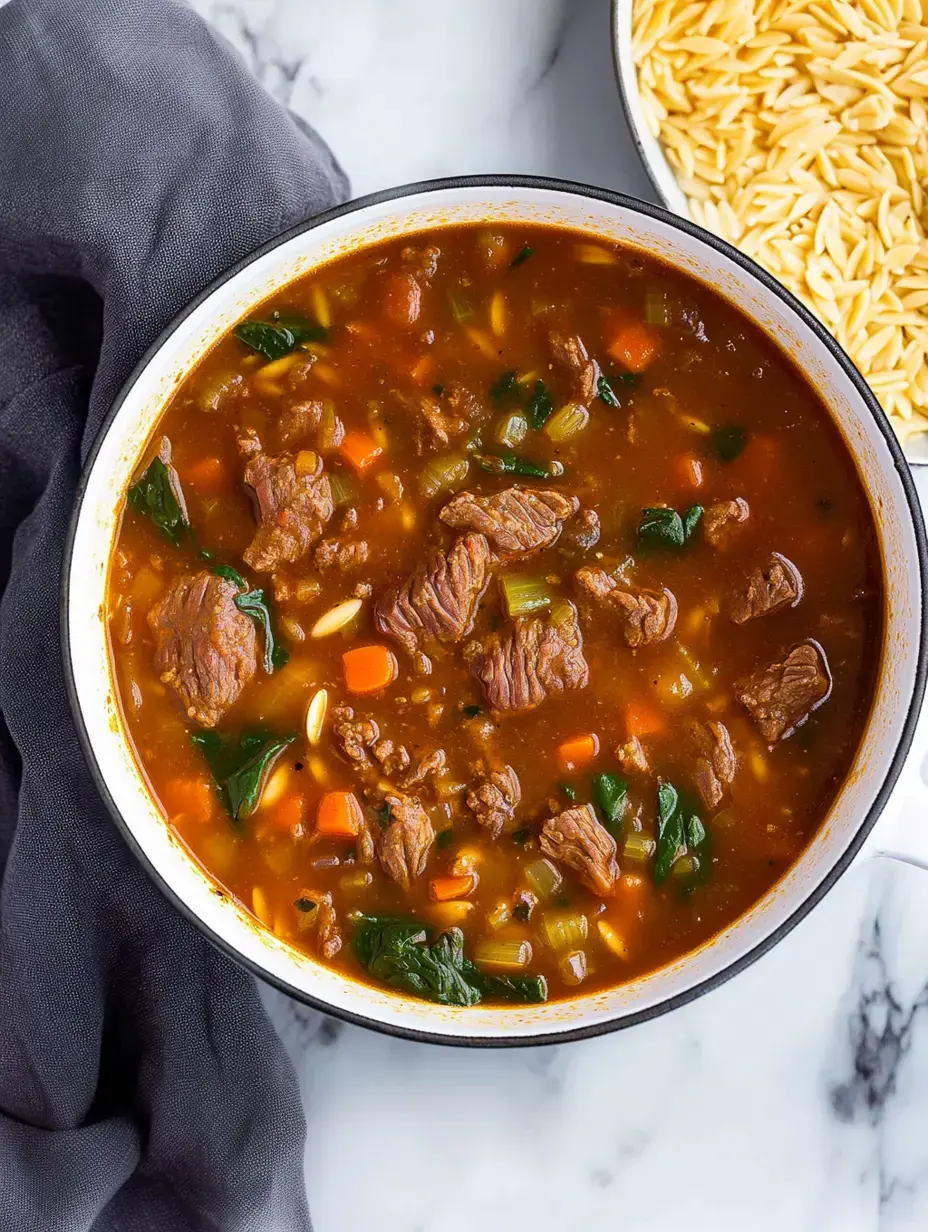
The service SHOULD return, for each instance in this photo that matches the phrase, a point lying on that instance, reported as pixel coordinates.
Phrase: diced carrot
(288, 813)
(339, 815)
(642, 720)
(441, 889)
(369, 668)
(208, 476)
(688, 471)
(360, 450)
(578, 752)
(193, 798)
(634, 345)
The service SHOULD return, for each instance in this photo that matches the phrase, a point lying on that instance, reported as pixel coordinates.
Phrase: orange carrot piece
(288, 813)
(642, 720)
(443, 889)
(688, 471)
(578, 752)
(634, 345)
(369, 668)
(360, 450)
(194, 798)
(208, 476)
(339, 815)
(421, 367)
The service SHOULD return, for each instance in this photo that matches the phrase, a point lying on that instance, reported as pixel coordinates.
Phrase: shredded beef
(422, 261)
(715, 763)
(781, 697)
(325, 921)
(775, 584)
(631, 757)
(427, 767)
(354, 737)
(341, 554)
(433, 427)
(577, 839)
(407, 840)
(439, 601)
(721, 521)
(495, 800)
(392, 757)
(568, 351)
(204, 646)
(291, 509)
(300, 421)
(648, 616)
(520, 665)
(584, 531)
(516, 521)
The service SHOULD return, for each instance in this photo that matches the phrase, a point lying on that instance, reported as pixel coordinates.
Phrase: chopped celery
(543, 878)
(657, 308)
(564, 930)
(344, 489)
(638, 848)
(461, 308)
(524, 592)
(442, 474)
(573, 968)
(511, 429)
(512, 954)
(567, 422)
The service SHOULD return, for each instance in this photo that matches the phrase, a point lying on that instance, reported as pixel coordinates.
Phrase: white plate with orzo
(798, 130)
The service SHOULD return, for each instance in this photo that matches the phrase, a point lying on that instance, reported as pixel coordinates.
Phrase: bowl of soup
(494, 611)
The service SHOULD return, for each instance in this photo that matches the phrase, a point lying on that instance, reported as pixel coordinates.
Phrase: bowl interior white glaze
(117, 457)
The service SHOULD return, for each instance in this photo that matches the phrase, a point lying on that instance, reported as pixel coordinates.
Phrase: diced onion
(315, 715)
(442, 475)
(564, 930)
(260, 906)
(336, 618)
(511, 954)
(567, 422)
(498, 314)
(498, 916)
(544, 878)
(572, 967)
(321, 307)
(593, 254)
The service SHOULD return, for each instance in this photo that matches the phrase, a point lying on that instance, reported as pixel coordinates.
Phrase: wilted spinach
(153, 495)
(241, 766)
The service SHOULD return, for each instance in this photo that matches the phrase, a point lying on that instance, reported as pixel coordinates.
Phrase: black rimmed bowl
(600, 215)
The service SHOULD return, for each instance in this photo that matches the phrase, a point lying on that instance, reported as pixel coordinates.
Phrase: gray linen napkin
(141, 1086)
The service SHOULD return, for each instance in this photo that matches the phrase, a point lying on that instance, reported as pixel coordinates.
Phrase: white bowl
(610, 217)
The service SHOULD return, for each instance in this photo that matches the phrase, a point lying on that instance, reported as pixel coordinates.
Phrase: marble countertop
(792, 1099)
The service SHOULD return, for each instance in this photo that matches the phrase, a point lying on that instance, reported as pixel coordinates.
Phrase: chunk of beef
(775, 584)
(577, 839)
(355, 737)
(426, 768)
(365, 844)
(520, 665)
(568, 351)
(407, 840)
(291, 507)
(516, 521)
(439, 601)
(433, 427)
(461, 402)
(402, 298)
(648, 616)
(164, 454)
(325, 922)
(392, 757)
(344, 555)
(422, 261)
(494, 800)
(631, 757)
(584, 531)
(715, 763)
(301, 421)
(204, 646)
(781, 697)
(722, 519)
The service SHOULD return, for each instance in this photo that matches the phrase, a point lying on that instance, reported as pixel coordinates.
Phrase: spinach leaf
(606, 392)
(445, 838)
(605, 386)
(523, 988)
(568, 791)
(471, 712)
(241, 767)
(541, 406)
(505, 384)
(729, 440)
(275, 338)
(610, 794)
(695, 832)
(522, 255)
(254, 604)
(398, 952)
(691, 519)
(671, 839)
(512, 464)
(661, 528)
(230, 575)
(521, 836)
(153, 495)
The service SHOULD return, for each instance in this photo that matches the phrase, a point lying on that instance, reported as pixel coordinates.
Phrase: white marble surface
(792, 1099)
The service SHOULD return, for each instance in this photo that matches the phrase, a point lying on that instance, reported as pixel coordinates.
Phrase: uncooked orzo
(799, 131)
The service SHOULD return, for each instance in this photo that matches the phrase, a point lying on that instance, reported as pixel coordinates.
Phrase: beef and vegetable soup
(495, 614)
